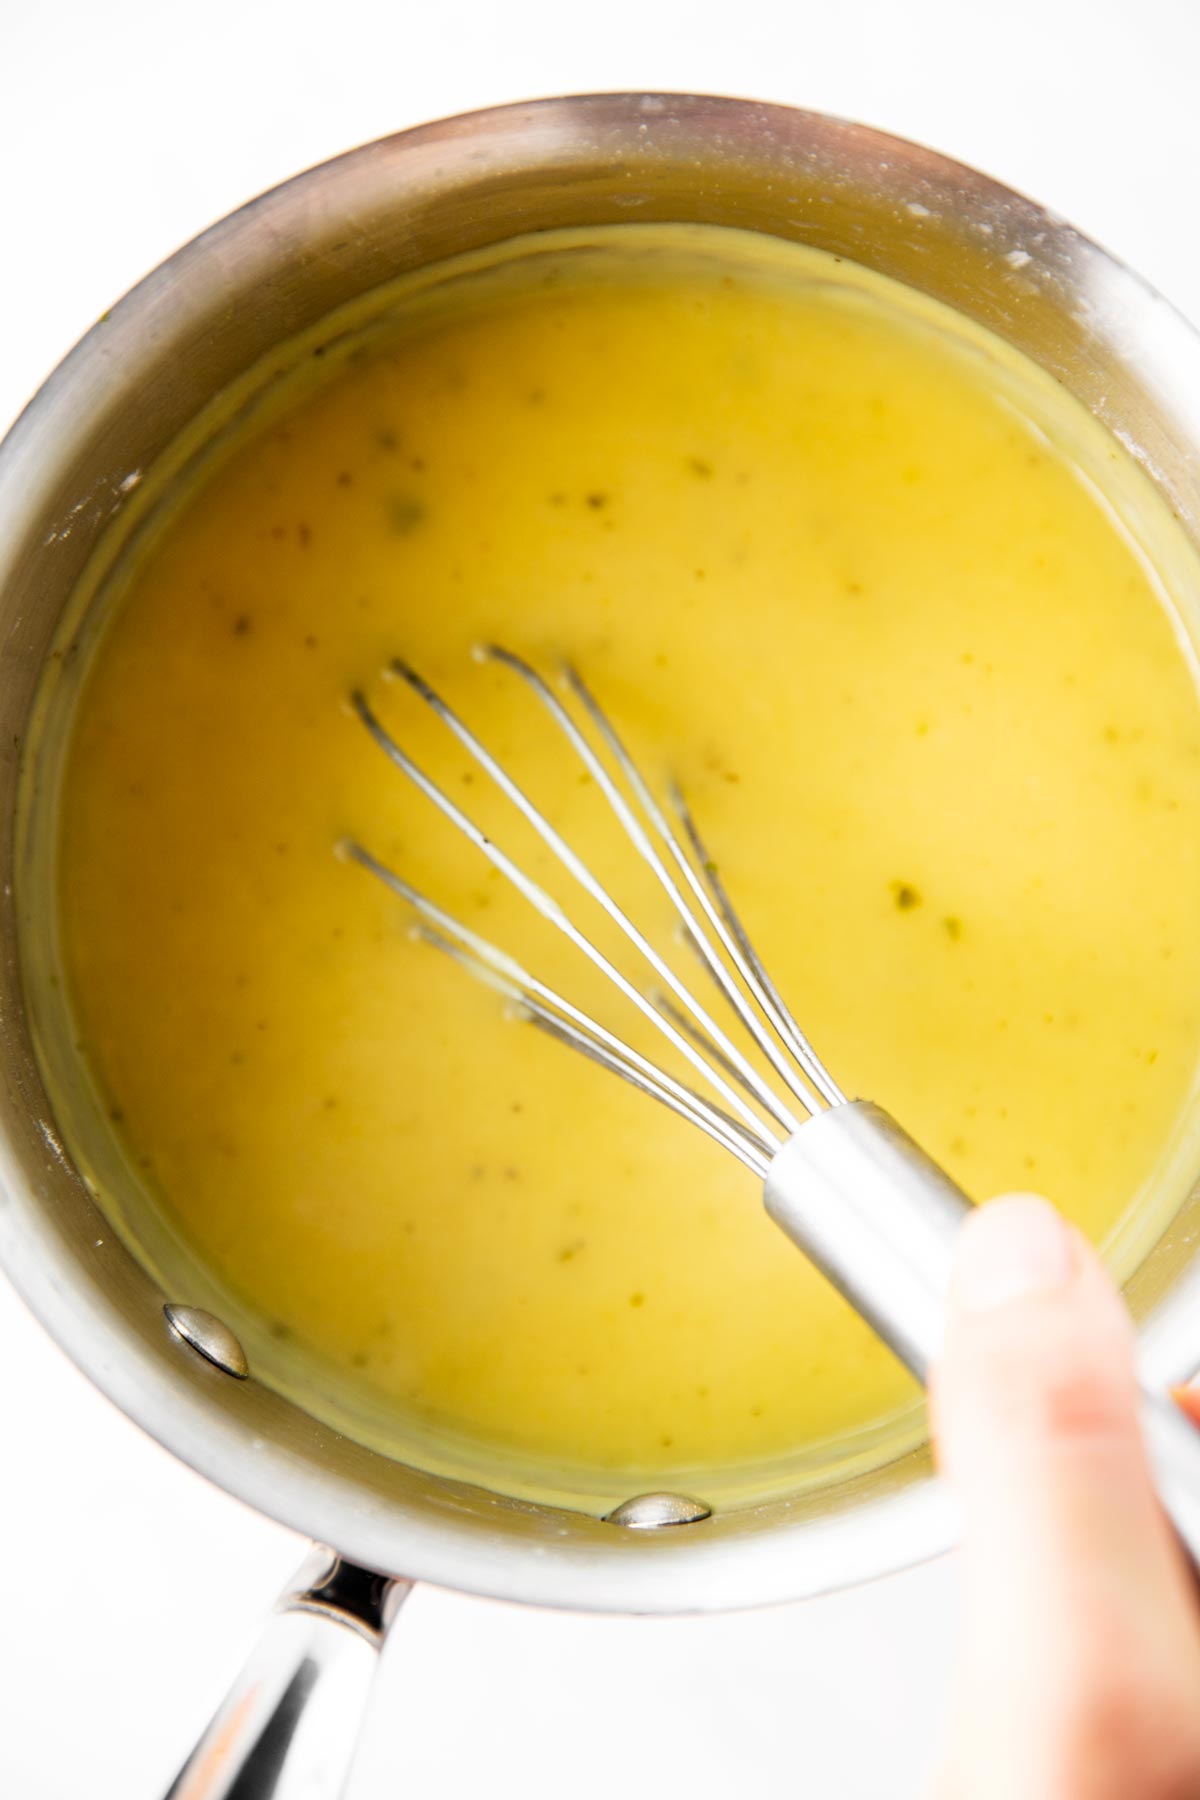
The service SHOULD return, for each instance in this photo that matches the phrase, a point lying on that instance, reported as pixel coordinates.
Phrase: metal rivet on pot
(649, 1512)
(209, 1337)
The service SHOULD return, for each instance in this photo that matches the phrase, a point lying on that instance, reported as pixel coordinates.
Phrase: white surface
(130, 1588)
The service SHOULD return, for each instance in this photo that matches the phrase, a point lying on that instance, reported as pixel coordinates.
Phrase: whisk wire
(710, 1119)
(645, 848)
(544, 1007)
(694, 1032)
(552, 912)
(548, 1010)
(703, 910)
(583, 875)
(749, 962)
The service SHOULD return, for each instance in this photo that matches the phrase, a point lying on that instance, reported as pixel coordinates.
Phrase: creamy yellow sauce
(927, 705)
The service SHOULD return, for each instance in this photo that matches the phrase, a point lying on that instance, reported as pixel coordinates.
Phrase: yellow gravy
(831, 567)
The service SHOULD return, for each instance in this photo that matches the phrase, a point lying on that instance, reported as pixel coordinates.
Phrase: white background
(130, 1589)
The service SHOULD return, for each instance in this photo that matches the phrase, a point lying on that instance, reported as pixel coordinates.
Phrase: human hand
(1079, 1670)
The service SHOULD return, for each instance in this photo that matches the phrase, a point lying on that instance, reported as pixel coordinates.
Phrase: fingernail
(1011, 1250)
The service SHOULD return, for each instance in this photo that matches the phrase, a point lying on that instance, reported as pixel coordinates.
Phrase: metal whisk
(846, 1183)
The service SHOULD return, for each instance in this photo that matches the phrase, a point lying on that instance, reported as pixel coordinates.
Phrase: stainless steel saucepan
(74, 461)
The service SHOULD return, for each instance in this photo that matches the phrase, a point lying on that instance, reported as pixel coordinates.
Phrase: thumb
(1080, 1621)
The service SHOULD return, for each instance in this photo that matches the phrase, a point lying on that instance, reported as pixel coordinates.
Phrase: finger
(1035, 1396)
(1080, 1623)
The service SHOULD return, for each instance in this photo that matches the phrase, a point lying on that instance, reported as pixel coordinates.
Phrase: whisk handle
(878, 1217)
(1174, 1446)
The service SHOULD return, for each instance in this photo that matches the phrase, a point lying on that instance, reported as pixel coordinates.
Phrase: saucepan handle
(288, 1727)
